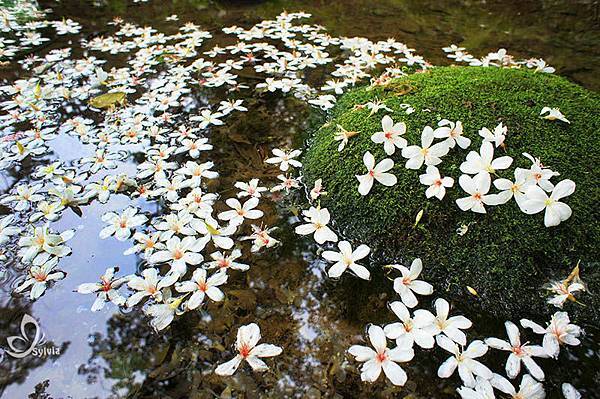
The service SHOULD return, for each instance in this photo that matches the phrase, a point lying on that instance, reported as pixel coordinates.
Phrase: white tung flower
(449, 326)
(317, 220)
(375, 172)
(464, 360)
(250, 189)
(519, 353)
(483, 389)
(426, 153)
(106, 289)
(240, 212)
(285, 159)
(496, 137)
(483, 161)
(390, 135)
(202, 286)
(437, 184)
(148, 285)
(537, 200)
(553, 114)
(7, 228)
(569, 391)
(453, 133)
(410, 330)
(528, 389)
(346, 259)
(317, 190)
(38, 278)
(248, 350)
(408, 284)
(180, 253)
(381, 358)
(223, 262)
(477, 187)
(121, 225)
(559, 331)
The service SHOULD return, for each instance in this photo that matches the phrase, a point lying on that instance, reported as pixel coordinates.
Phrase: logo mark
(21, 346)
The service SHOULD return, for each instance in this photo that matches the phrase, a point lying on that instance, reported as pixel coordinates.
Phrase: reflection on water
(111, 354)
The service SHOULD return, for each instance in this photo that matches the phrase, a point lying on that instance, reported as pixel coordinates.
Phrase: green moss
(506, 255)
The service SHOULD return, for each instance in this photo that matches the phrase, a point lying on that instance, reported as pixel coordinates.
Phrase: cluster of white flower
(530, 188)
(500, 58)
(20, 22)
(426, 329)
(189, 253)
(188, 250)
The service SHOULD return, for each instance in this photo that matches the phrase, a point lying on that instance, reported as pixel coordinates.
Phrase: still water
(112, 354)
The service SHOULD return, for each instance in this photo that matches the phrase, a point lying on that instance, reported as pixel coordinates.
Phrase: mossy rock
(506, 255)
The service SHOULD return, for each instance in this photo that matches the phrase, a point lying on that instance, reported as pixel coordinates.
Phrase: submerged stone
(505, 256)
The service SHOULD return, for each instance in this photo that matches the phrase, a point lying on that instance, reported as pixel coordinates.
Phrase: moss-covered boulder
(505, 255)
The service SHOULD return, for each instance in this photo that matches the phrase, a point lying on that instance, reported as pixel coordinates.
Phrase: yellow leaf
(418, 218)
(574, 275)
(472, 290)
(212, 230)
(37, 92)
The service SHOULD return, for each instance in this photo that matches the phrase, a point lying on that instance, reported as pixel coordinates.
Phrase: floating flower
(149, 285)
(202, 286)
(248, 350)
(106, 289)
(211, 230)
(38, 278)
(224, 262)
(381, 358)
(410, 330)
(464, 360)
(43, 244)
(285, 159)
(121, 225)
(240, 212)
(7, 228)
(346, 259)
(250, 189)
(519, 353)
(180, 253)
(375, 173)
(163, 313)
(558, 332)
(408, 284)
(317, 220)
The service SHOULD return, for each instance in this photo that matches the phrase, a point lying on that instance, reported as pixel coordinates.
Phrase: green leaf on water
(108, 100)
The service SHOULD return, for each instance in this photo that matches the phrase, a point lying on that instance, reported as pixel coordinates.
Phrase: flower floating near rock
(249, 351)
